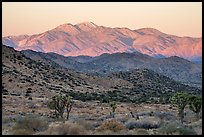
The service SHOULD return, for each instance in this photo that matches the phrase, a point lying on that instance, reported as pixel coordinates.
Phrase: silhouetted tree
(180, 99)
(69, 103)
(59, 103)
(113, 106)
(195, 104)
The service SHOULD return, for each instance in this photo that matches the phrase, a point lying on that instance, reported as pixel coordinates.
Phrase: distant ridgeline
(43, 75)
(90, 39)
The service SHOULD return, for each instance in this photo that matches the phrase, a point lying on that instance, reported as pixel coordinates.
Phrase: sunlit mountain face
(90, 39)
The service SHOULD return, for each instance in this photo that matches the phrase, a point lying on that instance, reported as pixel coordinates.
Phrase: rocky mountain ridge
(90, 39)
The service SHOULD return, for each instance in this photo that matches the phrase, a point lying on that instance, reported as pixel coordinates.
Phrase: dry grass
(29, 125)
(89, 115)
(112, 125)
(67, 128)
(138, 131)
(88, 125)
(22, 132)
(144, 122)
(175, 128)
(109, 132)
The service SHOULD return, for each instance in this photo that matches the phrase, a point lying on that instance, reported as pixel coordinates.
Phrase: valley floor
(90, 118)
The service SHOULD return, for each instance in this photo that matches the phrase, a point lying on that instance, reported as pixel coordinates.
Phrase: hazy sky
(182, 19)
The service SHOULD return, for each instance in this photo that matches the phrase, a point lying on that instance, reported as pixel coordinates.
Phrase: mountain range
(24, 77)
(89, 39)
(174, 67)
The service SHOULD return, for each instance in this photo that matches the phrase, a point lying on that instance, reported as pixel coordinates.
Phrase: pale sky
(181, 19)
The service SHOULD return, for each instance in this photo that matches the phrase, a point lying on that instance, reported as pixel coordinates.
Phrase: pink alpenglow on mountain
(90, 39)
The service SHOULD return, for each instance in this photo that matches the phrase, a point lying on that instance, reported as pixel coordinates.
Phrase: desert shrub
(165, 115)
(113, 105)
(106, 132)
(86, 124)
(15, 94)
(196, 126)
(67, 128)
(180, 99)
(32, 105)
(109, 132)
(139, 131)
(28, 91)
(171, 128)
(111, 125)
(4, 92)
(195, 104)
(146, 123)
(10, 80)
(19, 57)
(30, 123)
(145, 113)
(27, 95)
(151, 113)
(122, 119)
(6, 120)
(22, 132)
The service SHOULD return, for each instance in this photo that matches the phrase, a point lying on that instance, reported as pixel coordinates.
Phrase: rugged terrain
(19, 73)
(174, 67)
(28, 85)
(90, 39)
(23, 76)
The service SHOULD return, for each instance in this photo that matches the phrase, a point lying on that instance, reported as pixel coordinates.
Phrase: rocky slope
(25, 77)
(174, 67)
(150, 86)
(22, 76)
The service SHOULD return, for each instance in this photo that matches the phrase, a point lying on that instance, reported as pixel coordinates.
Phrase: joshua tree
(180, 99)
(195, 103)
(132, 115)
(59, 103)
(113, 106)
(161, 100)
(69, 104)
